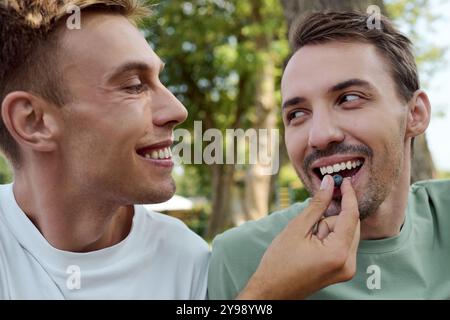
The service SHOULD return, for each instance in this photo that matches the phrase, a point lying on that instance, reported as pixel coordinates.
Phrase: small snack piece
(337, 180)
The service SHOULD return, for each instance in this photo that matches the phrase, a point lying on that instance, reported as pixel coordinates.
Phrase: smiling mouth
(155, 154)
(344, 169)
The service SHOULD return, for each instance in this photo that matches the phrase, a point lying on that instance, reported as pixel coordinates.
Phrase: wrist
(254, 290)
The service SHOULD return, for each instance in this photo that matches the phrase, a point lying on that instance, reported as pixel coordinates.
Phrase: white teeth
(165, 153)
(340, 166)
(348, 165)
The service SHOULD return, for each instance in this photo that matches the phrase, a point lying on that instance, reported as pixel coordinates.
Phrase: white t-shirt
(159, 259)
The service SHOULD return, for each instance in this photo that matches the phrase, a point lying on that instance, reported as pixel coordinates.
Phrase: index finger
(348, 218)
(317, 206)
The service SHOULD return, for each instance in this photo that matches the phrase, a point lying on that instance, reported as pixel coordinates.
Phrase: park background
(224, 61)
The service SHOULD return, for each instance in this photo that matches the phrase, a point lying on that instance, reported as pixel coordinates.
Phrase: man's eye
(349, 98)
(295, 114)
(137, 89)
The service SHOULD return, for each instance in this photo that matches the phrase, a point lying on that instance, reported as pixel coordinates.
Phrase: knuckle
(317, 202)
(348, 272)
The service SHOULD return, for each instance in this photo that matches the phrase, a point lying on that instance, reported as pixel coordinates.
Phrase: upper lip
(329, 161)
(156, 146)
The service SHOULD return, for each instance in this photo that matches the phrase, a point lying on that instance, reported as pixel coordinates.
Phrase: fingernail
(326, 182)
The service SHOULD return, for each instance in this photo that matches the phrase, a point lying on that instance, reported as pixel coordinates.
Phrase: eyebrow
(293, 102)
(132, 66)
(351, 83)
(337, 87)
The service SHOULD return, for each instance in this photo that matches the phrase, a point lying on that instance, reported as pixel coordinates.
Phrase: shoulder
(430, 201)
(435, 192)
(435, 187)
(10, 249)
(7, 239)
(178, 246)
(171, 232)
(6, 194)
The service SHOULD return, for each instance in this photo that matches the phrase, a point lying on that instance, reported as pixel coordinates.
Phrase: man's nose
(169, 111)
(324, 131)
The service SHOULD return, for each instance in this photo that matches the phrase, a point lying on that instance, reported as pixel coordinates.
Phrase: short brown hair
(353, 26)
(29, 52)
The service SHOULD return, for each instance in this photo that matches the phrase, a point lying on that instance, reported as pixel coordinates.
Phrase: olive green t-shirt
(415, 264)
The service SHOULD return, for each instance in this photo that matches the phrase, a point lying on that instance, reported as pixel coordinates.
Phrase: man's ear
(419, 113)
(30, 120)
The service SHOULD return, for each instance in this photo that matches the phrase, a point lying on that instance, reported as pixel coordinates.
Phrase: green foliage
(189, 183)
(5, 171)
(210, 48)
(412, 16)
(287, 177)
(298, 195)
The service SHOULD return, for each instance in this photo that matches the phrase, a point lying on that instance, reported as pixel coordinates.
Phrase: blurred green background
(224, 60)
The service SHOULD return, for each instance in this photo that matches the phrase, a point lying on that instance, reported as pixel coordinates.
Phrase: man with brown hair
(87, 126)
(351, 107)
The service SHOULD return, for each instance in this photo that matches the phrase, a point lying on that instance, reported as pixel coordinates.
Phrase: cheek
(296, 144)
(376, 128)
(135, 116)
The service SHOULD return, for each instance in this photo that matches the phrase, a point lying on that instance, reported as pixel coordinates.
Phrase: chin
(163, 193)
(156, 193)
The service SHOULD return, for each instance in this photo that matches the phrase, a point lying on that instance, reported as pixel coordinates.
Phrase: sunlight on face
(120, 112)
(341, 113)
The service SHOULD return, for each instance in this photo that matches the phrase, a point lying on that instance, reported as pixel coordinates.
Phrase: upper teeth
(164, 153)
(340, 166)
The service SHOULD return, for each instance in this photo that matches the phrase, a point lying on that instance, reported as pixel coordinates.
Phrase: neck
(70, 218)
(387, 221)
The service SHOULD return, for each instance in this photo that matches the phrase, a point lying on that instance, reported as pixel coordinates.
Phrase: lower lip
(164, 163)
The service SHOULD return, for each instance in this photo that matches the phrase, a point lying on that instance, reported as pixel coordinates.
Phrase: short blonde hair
(29, 51)
(44, 14)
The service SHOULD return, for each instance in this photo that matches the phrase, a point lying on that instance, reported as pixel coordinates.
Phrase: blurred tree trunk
(295, 11)
(257, 182)
(223, 175)
(222, 179)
